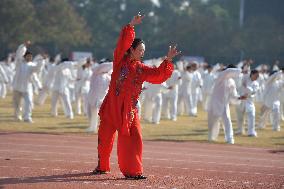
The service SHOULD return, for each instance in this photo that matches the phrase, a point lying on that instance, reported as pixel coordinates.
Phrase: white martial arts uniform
(271, 100)
(22, 85)
(153, 102)
(4, 80)
(170, 98)
(60, 89)
(282, 104)
(209, 79)
(196, 85)
(184, 97)
(247, 106)
(223, 92)
(99, 84)
(82, 87)
(47, 84)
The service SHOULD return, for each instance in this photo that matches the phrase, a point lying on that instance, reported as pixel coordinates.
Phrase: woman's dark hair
(135, 44)
(254, 72)
(230, 66)
(273, 72)
(27, 53)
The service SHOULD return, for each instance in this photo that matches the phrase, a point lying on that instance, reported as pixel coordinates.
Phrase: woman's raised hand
(172, 52)
(136, 19)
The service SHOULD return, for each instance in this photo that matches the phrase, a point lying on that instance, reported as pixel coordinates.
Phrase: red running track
(64, 161)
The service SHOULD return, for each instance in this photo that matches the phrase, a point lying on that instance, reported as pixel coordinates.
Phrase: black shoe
(137, 177)
(99, 172)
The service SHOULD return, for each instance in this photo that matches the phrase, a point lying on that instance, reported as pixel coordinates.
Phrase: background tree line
(208, 28)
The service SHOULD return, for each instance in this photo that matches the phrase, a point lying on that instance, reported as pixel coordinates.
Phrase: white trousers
(66, 102)
(170, 106)
(42, 95)
(214, 126)
(205, 101)
(193, 105)
(157, 109)
(275, 115)
(81, 99)
(248, 109)
(153, 106)
(282, 110)
(28, 103)
(3, 90)
(184, 103)
(94, 119)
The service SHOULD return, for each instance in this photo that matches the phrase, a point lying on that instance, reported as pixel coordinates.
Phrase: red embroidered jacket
(119, 105)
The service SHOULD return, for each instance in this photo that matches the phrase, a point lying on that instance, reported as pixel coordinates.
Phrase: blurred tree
(209, 28)
(61, 28)
(18, 23)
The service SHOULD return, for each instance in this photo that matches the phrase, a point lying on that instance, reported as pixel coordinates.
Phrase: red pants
(129, 148)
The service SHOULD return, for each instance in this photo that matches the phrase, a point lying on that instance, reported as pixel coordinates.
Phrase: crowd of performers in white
(84, 83)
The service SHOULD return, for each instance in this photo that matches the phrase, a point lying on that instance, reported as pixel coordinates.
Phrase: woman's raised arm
(126, 38)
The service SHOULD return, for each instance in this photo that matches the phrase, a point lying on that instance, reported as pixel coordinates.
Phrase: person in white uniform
(153, 101)
(223, 92)
(4, 80)
(184, 98)
(22, 85)
(196, 85)
(209, 78)
(82, 87)
(170, 98)
(250, 87)
(60, 89)
(99, 84)
(271, 100)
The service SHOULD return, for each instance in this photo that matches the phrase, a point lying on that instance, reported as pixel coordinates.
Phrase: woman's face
(138, 53)
(28, 58)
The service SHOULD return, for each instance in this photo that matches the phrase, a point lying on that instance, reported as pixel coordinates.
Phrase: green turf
(184, 129)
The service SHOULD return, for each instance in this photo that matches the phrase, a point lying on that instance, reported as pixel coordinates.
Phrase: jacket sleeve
(124, 42)
(157, 75)
(20, 54)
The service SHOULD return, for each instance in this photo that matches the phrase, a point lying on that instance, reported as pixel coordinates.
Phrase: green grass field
(184, 129)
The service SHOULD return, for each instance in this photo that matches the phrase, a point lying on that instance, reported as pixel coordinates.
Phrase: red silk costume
(118, 111)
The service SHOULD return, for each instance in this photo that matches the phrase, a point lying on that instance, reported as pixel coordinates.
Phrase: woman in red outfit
(118, 111)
